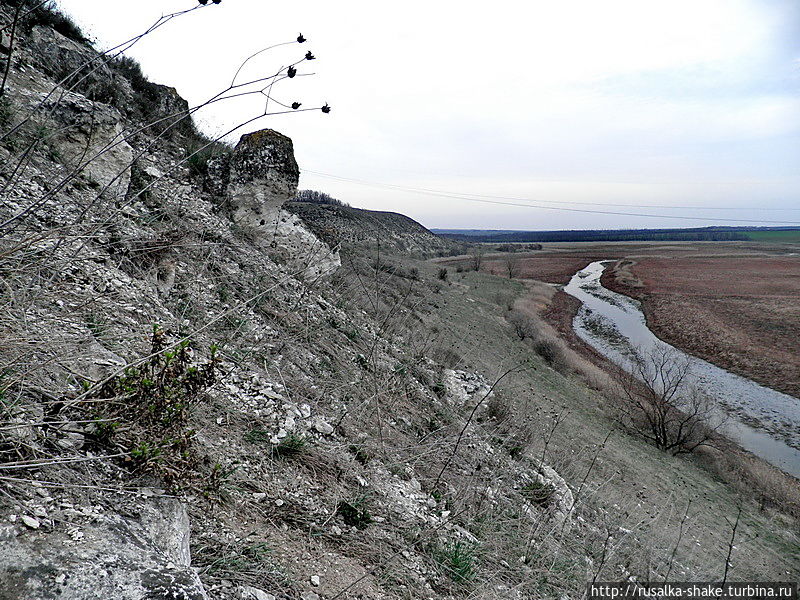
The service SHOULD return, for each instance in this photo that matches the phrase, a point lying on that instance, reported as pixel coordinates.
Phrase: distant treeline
(316, 197)
(712, 234)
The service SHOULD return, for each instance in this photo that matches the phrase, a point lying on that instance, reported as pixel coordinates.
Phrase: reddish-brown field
(557, 263)
(749, 276)
(741, 313)
(540, 266)
(552, 269)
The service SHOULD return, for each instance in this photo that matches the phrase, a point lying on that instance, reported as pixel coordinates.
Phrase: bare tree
(660, 403)
(477, 257)
(512, 266)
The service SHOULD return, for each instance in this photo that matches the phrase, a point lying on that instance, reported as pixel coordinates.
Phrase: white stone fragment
(323, 426)
(251, 593)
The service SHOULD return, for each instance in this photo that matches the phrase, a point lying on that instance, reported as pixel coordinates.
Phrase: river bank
(742, 315)
(726, 461)
(764, 421)
(734, 304)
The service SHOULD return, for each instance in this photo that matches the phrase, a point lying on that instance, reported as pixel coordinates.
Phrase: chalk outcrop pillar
(255, 180)
(263, 174)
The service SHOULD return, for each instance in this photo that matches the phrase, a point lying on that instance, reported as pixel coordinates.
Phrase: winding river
(764, 421)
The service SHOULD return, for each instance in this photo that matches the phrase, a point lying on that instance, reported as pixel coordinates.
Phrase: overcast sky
(628, 106)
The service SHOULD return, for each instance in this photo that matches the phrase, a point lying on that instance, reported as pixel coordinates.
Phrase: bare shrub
(551, 352)
(46, 14)
(550, 349)
(660, 404)
(513, 268)
(498, 409)
(523, 325)
(477, 257)
(505, 301)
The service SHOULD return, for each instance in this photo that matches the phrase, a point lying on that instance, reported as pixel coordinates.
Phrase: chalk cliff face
(94, 132)
(110, 243)
(100, 210)
(111, 246)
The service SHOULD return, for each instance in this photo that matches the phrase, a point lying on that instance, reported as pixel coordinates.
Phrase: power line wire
(505, 201)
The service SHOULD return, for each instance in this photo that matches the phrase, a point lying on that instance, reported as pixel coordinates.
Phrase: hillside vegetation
(207, 393)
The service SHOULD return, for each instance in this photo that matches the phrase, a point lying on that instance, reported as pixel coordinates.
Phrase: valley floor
(627, 473)
(735, 304)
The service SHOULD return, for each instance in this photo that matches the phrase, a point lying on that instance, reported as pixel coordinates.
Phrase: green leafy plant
(360, 453)
(238, 560)
(149, 403)
(459, 560)
(145, 452)
(258, 436)
(289, 447)
(218, 481)
(539, 493)
(516, 451)
(97, 325)
(201, 153)
(439, 389)
(400, 369)
(159, 391)
(102, 432)
(354, 512)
